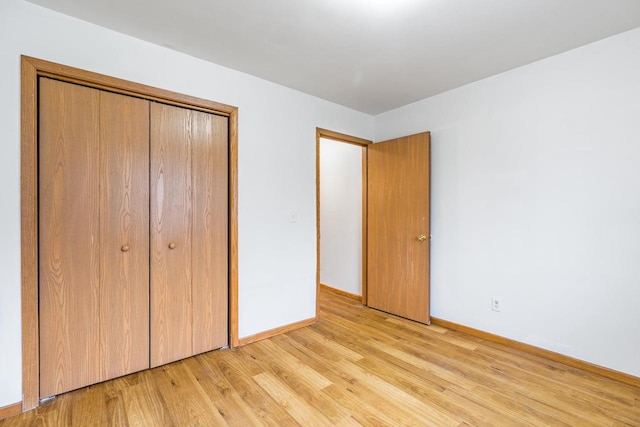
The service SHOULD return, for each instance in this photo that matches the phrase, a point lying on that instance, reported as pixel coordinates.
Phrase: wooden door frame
(363, 143)
(31, 70)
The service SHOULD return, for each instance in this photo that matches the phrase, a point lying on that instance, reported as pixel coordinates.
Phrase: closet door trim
(31, 70)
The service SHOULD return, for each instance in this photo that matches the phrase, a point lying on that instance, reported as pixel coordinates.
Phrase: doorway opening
(341, 220)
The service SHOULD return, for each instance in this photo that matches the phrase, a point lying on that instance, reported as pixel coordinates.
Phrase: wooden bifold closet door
(113, 297)
(94, 244)
(188, 233)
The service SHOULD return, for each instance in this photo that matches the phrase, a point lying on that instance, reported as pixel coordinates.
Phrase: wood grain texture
(328, 288)
(355, 366)
(318, 234)
(233, 228)
(29, 234)
(210, 242)
(189, 199)
(551, 355)
(125, 87)
(10, 410)
(276, 331)
(365, 226)
(342, 137)
(398, 212)
(69, 237)
(171, 224)
(124, 222)
(31, 70)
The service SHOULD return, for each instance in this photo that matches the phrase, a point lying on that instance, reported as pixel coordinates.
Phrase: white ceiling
(370, 55)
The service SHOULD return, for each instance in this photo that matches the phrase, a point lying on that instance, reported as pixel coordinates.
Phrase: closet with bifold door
(133, 234)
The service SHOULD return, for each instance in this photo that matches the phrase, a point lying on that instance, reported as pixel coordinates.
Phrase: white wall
(341, 216)
(276, 164)
(536, 199)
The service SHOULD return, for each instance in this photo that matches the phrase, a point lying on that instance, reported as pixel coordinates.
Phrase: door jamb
(364, 143)
(31, 70)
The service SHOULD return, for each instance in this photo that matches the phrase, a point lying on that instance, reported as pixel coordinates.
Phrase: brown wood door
(210, 231)
(171, 204)
(124, 231)
(188, 233)
(92, 293)
(398, 226)
(69, 237)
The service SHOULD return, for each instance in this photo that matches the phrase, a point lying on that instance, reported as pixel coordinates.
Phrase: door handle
(422, 238)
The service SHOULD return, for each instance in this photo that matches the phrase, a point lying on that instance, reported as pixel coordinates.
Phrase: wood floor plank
(234, 410)
(367, 408)
(530, 402)
(239, 371)
(409, 373)
(308, 385)
(307, 374)
(182, 393)
(322, 345)
(428, 414)
(569, 376)
(305, 414)
(143, 401)
(353, 367)
(371, 405)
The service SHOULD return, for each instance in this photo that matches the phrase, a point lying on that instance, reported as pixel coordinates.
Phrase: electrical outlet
(496, 304)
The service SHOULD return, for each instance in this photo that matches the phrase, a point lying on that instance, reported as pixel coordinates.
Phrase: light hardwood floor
(355, 366)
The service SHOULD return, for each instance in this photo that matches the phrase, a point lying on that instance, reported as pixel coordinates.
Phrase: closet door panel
(69, 236)
(124, 220)
(171, 204)
(210, 225)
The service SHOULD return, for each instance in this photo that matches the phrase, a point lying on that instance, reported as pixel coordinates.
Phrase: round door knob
(125, 248)
(422, 238)
(172, 245)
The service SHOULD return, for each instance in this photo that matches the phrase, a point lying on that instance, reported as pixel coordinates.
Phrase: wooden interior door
(93, 292)
(124, 231)
(189, 241)
(210, 244)
(171, 204)
(112, 257)
(398, 226)
(69, 237)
